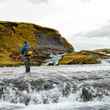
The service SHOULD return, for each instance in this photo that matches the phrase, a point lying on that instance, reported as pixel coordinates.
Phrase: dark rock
(86, 95)
(67, 89)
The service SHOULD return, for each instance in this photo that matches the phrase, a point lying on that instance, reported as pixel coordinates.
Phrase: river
(66, 87)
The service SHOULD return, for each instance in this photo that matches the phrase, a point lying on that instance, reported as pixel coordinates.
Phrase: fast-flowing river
(67, 87)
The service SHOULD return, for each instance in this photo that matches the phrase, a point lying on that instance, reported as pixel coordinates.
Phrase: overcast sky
(68, 16)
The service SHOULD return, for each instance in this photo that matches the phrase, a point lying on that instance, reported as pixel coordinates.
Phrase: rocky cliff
(42, 40)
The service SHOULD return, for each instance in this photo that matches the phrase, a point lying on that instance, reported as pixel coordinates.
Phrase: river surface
(66, 87)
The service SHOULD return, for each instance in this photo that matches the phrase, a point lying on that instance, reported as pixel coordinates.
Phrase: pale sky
(70, 17)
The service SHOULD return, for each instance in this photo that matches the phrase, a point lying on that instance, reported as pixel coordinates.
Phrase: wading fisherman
(26, 56)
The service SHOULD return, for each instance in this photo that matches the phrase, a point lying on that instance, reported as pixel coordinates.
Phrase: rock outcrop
(82, 57)
(103, 51)
(43, 40)
(85, 57)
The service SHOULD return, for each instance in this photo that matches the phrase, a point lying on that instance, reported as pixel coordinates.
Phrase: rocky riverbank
(85, 57)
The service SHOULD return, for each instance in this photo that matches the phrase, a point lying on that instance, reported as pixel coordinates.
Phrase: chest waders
(27, 63)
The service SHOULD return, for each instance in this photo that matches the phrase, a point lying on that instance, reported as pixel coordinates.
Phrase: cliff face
(12, 36)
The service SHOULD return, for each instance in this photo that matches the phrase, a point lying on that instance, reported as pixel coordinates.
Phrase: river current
(66, 87)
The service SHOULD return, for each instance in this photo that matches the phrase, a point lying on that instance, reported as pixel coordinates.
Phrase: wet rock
(45, 100)
(27, 100)
(20, 84)
(1, 90)
(86, 95)
(41, 84)
(67, 89)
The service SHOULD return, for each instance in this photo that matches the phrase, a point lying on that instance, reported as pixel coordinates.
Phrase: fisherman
(25, 48)
(26, 56)
(54, 59)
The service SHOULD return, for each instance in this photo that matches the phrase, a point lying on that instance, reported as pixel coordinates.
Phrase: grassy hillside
(12, 36)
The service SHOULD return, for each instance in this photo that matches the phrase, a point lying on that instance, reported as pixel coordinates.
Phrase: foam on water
(69, 79)
(59, 106)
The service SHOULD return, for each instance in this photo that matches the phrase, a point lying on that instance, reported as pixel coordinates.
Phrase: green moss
(2, 26)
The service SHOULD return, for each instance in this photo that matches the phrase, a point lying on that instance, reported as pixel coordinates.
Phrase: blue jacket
(25, 48)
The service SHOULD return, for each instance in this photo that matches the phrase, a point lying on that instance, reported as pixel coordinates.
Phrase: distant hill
(12, 36)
